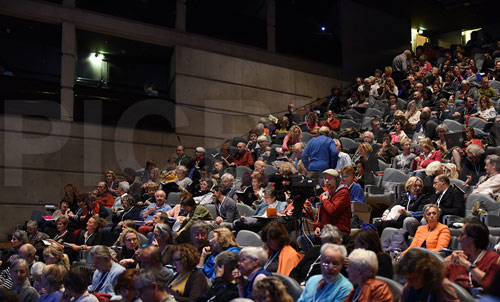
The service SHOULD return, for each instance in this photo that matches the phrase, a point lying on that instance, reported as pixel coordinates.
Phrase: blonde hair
(57, 251)
(411, 181)
(366, 147)
(426, 143)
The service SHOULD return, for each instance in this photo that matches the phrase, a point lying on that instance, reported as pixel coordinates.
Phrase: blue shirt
(209, 266)
(337, 291)
(54, 297)
(163, 208)
(356, 192)
(105, 282)
(320, 154)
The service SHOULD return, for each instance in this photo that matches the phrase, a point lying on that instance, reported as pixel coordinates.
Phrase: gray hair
(229, 176)
(32, 224)
(428, 206)
(21, 235)
(228, 259)
(334, 247)
(37, 268)
(100, 251)
(365, 260)
(165, 231)
(125, 186)
(442, 127)
(255, 253)
(433, 168)
(262, 138)
(369, 133)
(19, 261)
(494, 159)
(152, 275)
(182, 168)
(475, 150)
(330, 234)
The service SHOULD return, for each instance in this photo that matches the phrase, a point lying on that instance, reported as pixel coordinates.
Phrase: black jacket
(452, 202)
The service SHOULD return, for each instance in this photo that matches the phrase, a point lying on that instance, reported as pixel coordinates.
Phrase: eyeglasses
(327, 265)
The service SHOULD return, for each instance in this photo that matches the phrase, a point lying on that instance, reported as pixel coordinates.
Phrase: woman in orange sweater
(434, 236)
(282, 257)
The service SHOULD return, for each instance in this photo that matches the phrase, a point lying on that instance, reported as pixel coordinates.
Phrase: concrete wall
(218, 97)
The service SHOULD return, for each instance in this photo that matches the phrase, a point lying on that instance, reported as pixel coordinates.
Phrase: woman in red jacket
(428, 155)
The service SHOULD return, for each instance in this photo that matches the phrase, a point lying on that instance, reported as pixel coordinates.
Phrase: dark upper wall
(370, 38)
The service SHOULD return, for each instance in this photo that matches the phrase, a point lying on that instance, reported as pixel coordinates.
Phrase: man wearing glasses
(151, 286)
(330, 285)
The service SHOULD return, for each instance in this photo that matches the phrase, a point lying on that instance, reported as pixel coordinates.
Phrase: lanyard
(477, 259)
(316, 262)
(87, 238)
(269, 261)
(101, 282)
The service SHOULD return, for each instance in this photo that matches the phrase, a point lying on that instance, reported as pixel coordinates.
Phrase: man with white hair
(362, 268)
(152, 286)
(227, 182)
(344, 158)
(121, 192)
(259, 167)
(330, 285)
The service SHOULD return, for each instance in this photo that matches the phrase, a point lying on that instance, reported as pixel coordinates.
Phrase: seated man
(103, 196)
(449, 199)
(243, 157)
(227, 182)
(330, 285)
(227, 211)
(331, 122)
(259, 167)
(106, 272)
(344, 158)
(255, 224)
(160, 206)
(152, 286)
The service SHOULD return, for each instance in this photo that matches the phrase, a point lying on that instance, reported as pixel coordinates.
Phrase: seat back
(454, 126)
(240, 170)
(492, 206)
(362, 210)
(306, 137)
(374, 112)
(462, 294)
(386, 234)
(211, 208)
(431, 253)
(349, 145)
(382, 165)
(237, 140)
(355, 114)
(37, 214)
(366, 122)
(173, 198)
(292, 286)
(394, 176)
(142, 239)
(476, 122)
(349, 124)
(270, 170)
(395, 287)
(245, 210)
(248, 238)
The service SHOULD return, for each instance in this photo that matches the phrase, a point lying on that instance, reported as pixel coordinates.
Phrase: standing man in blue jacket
(320, 154)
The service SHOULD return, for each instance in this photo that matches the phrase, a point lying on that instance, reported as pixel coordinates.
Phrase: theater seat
(396, 287)
(248, 238)
(462, 294)
(292, 286)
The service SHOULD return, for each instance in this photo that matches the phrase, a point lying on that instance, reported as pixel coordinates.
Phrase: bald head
(259, 166)
(324, 131)
(150, 257)
(27, 252)
(407, 53)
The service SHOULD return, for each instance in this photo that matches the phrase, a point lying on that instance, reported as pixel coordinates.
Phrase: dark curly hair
(275, 231)
(423, 264)
(189, 255)
(274, 289)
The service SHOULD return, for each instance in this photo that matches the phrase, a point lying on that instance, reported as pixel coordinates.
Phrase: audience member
(222, 240)
(250, 265)
(369, 239)
(270, 289)
(106, 271)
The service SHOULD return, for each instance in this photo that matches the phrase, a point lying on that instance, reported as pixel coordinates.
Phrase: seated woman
(469, 266)
(182, 182)
(222, 240)
(125, 286)
(52, 281)
(204, 194)
(194, 213)
(473, 165)
(271, 289)
(251, 262)
(293, 136)
(90, 237)
(428, 155)
(75, 286)
(411, 201)
(19, 238)
(362, 268)
(162, 237)
(355, 190)
(369, 239)
(370, 162)
(486, 111)
(253, 195)
(189, 283)
(71, 195)
(424, 277)
(92, 208)
(459, 154)
(433, 236)
(131, 211)
(440, 143)
(54, 254)
(312, 121)
(129, 243)
(412, 113)
(149, 197)
(404, 160)
(398, 134)
(490, 183)
(263, 152)
(388, 150)
(111, 181)
(282, 257)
